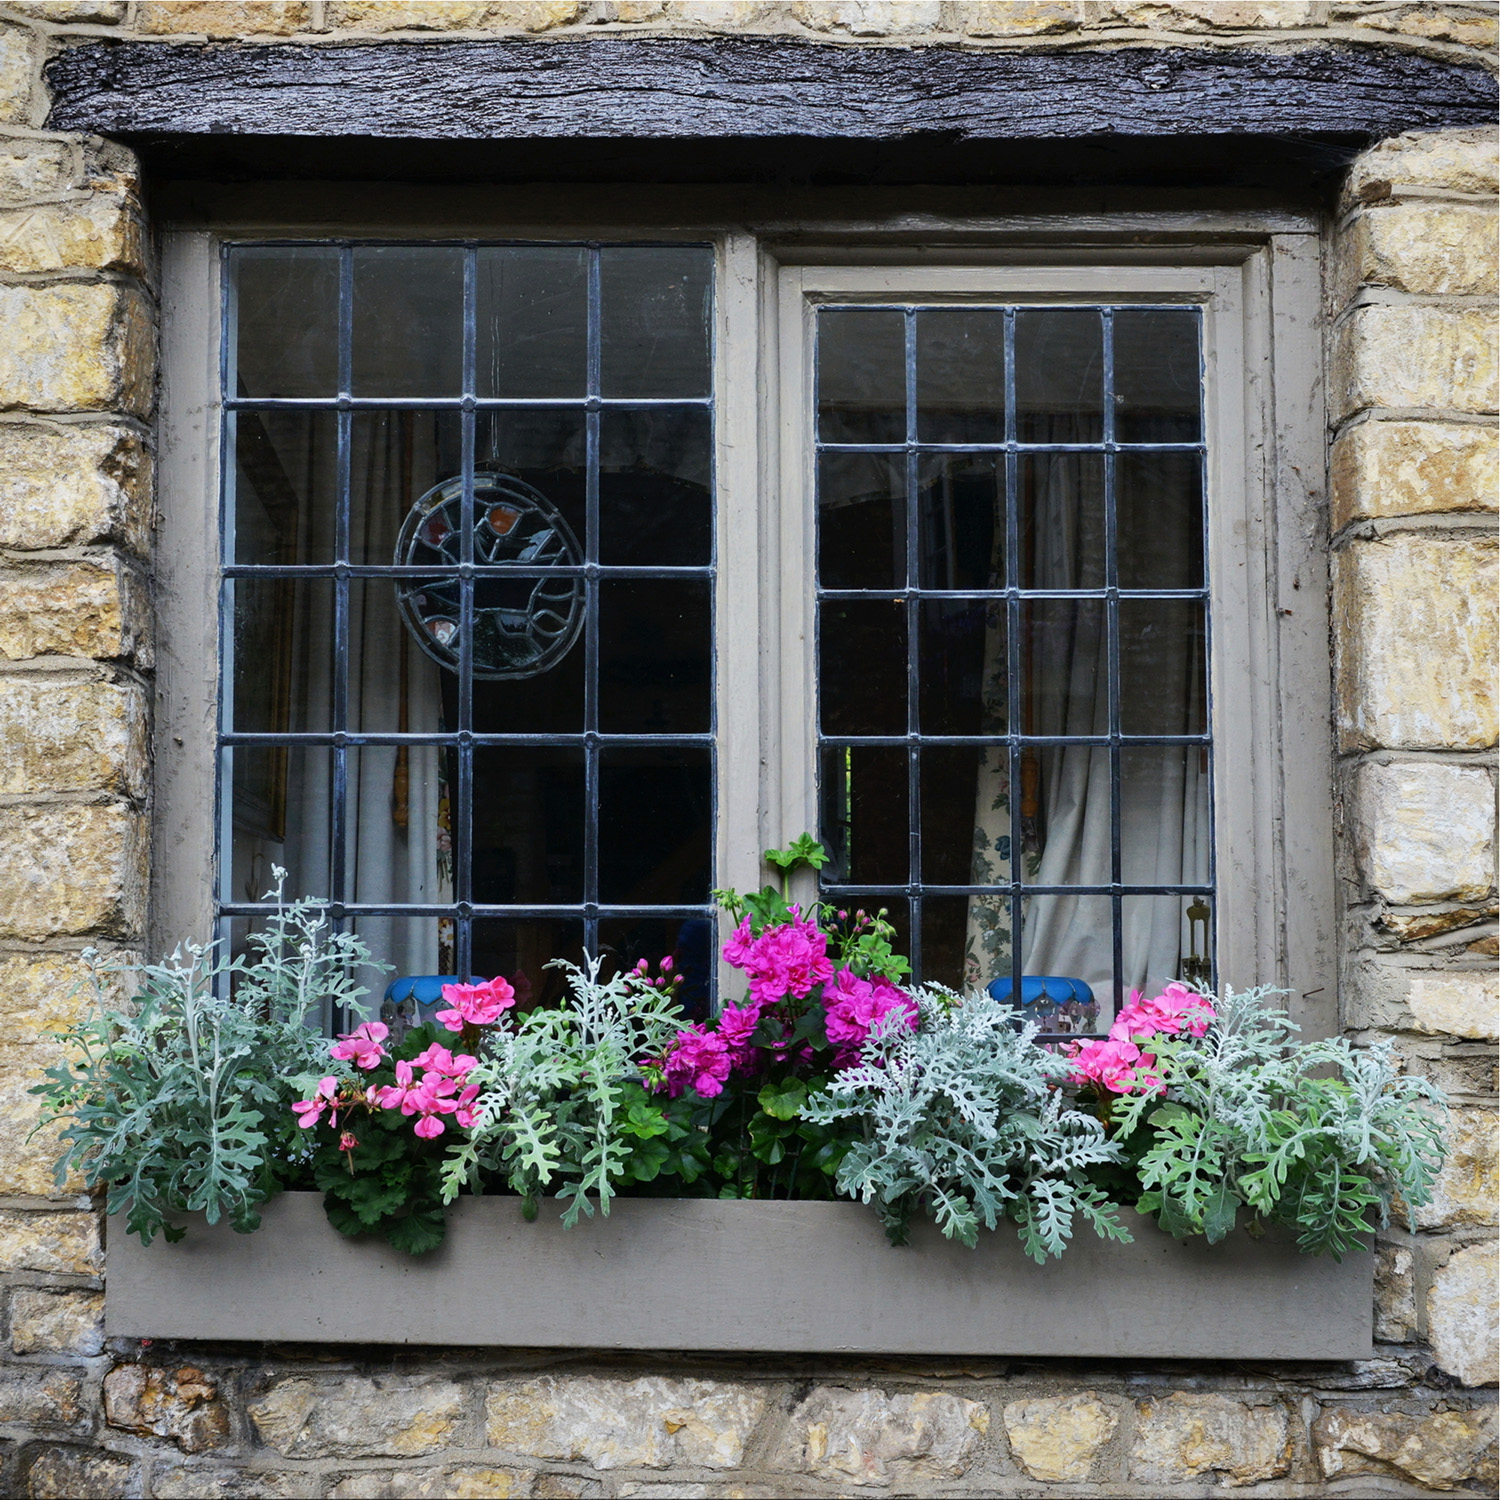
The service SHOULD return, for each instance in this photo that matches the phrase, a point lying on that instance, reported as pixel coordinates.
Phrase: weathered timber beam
(661, 88)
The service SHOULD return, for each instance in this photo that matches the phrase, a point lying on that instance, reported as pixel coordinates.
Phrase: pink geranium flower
(362, 1045)
(855, 1006)
(476, 1004)
(1119, 1067)
(785, 960)
(325, 1096)
(1176, 1010)
(698, 1059)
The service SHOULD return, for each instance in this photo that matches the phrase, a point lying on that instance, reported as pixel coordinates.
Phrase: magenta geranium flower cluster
(1118, 1064)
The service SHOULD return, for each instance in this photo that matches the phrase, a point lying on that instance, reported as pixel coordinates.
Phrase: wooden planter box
(706, 1275)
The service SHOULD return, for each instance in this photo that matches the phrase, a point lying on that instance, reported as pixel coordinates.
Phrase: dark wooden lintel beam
(644, 88)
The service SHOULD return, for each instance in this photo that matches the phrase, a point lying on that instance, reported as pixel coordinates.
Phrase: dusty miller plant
(178, 1101)
(556, 1094)
(958, 1118)
(1253, 1120)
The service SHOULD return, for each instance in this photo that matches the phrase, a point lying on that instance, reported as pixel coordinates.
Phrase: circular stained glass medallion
(524, 624)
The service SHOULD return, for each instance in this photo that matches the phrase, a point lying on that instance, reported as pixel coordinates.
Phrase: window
(561, 576)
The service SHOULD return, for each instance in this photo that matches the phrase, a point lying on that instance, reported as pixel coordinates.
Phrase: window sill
(707, 1275)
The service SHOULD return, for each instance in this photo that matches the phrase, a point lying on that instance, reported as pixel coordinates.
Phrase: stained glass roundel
(524, 623)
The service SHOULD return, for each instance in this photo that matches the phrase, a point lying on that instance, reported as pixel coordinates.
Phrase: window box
(769, 1276)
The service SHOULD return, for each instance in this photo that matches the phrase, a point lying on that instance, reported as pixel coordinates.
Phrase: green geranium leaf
(784, 1100)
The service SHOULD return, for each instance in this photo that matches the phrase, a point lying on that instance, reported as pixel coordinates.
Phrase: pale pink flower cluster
(698, 1059)
(440, 1091)
(362, 1045)
(325, 1096)
(1118, 1065)
(784, 960)
(854, 1007)
(475, 1004)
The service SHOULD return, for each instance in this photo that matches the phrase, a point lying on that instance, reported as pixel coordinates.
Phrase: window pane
(1061, 502)
(1065, 657)
(1164, 815)
(961, 375)
(952, 789)
(520, 950)
(1159, 516)
(861, 375)
(1067, 941)
(1163, 942)
(946, 942)
(1059, 375)
(655, 507)
(862, 793)
(281, 804)
(686, 941)
(285, 331)
(547, 450)
(394, 684)
(398, 824)
(1065, 815)
(285, 485)
(962, 521)
(654, 333)
(862, 666)
(397, 460)
(283, 655)
(528, 825)
(532, 338)
(654, 657)
(655, 826)
(961, 666)
(1163, 667)
(1158, 386)
(861, 521)
(408, 322)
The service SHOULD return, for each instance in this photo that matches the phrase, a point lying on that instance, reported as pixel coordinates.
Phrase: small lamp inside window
(1196, 968)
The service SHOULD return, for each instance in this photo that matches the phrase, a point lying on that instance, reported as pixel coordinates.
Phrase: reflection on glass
(654, 333)
(532, 336)
(1158, 386)
(962, 521)
(861, 521)
(862, 666)
(285, 331)
(520, 950)
(861, 375)
(281, 801)
(1159, 511)
(283, 654)
(961, 666)
(1162, 943)
(1061, 503)
(408, 321)
(863, 800)
(1059, 375)
(961, 375)
(1163, 667)
(285, 480)
(655, 826)
(654, 657)
(528, 825)
(655, 508)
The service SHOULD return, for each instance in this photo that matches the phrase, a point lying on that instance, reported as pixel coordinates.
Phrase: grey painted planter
(707, 1275)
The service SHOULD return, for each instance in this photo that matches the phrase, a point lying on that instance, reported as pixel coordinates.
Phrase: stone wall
(1411, 351)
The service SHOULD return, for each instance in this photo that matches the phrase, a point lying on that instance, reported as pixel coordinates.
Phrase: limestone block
(1457, 161)
(868, 1437)
(64, 1243)
(1410, 355)
(72, 870)
(1425, 831)
(64, 485)
(181, 1404)
(648, 1423)
(710, 15)
(61, 736)
(1427, 250)
(458, 1482)
(224, 18)
(77, 347)
(32, 169)
(453, 15)
(1467, 1189)
(1059, 1438)
(1009, 17)
(1416, 634)
(1457, 1003)
(42, 993)
(1463, 1314)
(219, 1482)
(26, 1159)
(64, 12)
(1186, 1436)
(1435, 23)
(46, 1322)
(1200, 15)
(869, 18)
(395, 1416)
(39, 1396)
(98, 233)
(59, 1472)
(1383, 469)
(18, 74)
(1395, 1294)
(1437, 1452)
(94, 609)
